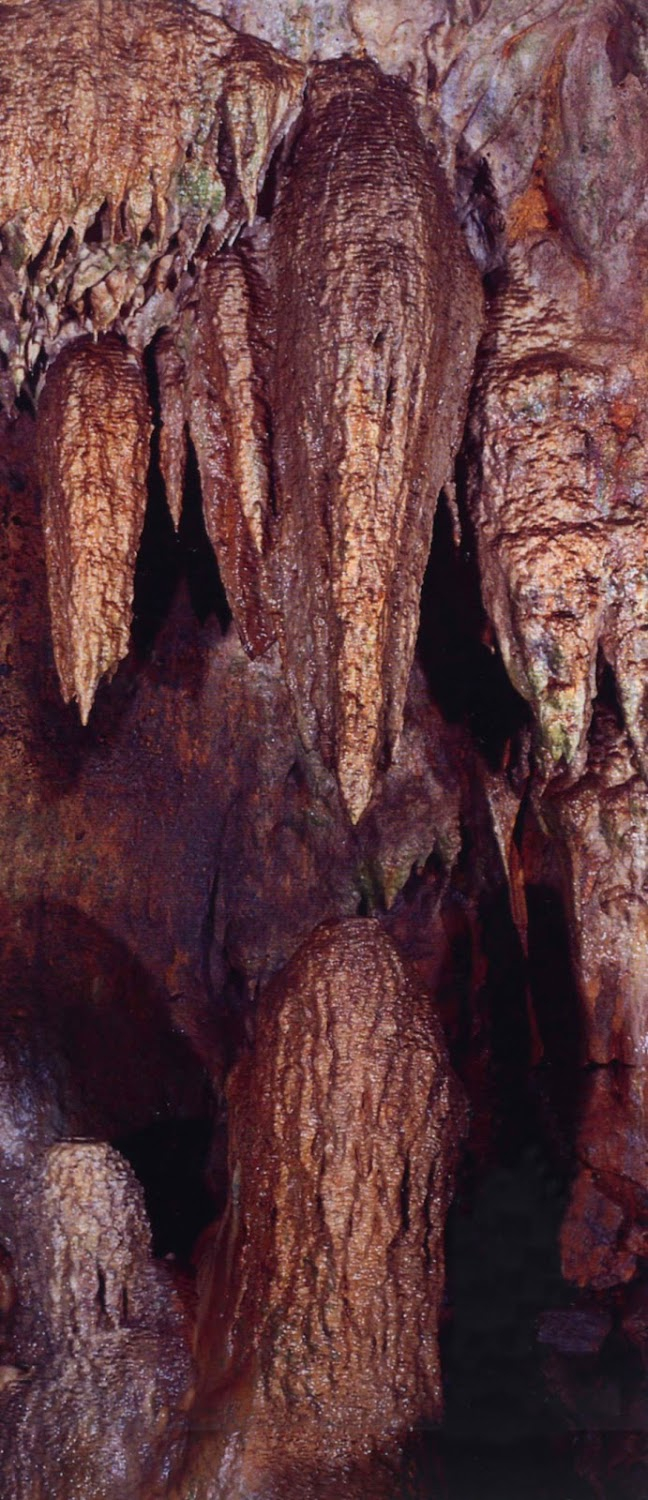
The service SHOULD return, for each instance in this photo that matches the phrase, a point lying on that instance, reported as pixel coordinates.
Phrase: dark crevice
(101, 1293)
(480, 215)
(626, 43)
(405, 1196)
(98, 229)
(267, 196)
(199, 563)
(171, 1159)
(68, 246)
(226, 161)
(462, 663)
(157, 570)
(607, 703)
(164, 558)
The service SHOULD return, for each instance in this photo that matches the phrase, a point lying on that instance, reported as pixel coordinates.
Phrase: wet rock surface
(200, 300)
(102, 1387)
(317, 1325)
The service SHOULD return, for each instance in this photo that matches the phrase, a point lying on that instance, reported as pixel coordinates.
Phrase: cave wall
(319, 264)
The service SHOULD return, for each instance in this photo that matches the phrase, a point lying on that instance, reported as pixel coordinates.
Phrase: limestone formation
(378, 316)
(215, 393)
(317, 1337)
(94, 432)
(397, 748)
(103, 1394)
(111, 168)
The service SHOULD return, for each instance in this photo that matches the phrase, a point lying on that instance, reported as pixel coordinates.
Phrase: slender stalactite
(94, 431)
(210, 387)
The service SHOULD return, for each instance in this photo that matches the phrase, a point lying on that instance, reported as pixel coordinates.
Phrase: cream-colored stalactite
(94, 431)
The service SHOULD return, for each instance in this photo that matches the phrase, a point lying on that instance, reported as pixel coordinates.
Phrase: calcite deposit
(378, 316)
(360, 765)
(94, 432)
(112, 167)
(211, 390)
(101, 1390)
(317, 1337)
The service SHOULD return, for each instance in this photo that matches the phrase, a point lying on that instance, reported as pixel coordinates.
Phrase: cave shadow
(511, 1426)
(463, 666)
(89, 1049)
(178, 592)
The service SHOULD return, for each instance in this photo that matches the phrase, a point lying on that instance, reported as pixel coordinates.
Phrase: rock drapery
(239, 278)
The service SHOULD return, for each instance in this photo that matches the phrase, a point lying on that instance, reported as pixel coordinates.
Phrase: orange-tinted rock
(110, 170)
(94, 434)
(98, 1410)
(378, 314)
(215, 392)
(318, 1334)
(559, 491)
(600, 829)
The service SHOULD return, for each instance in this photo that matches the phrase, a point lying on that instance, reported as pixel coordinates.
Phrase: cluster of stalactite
(305, 285)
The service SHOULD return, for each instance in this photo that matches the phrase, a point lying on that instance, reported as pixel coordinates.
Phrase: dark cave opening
(171, 1158)
(533, 1405)
(463, 666)
(89, 1051)
(164, 557)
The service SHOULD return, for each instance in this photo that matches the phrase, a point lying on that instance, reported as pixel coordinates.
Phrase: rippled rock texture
(272, 277)
(318, 1324)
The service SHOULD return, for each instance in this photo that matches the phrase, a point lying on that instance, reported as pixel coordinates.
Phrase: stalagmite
(94, 432)
(318, 1336)
(103, 1391)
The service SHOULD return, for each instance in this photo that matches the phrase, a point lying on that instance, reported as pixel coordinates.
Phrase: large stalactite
(273, 278)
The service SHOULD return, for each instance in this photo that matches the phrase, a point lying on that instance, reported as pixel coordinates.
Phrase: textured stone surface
(167, 860)
(210, 388)
(317, 1337)
(378, 316)
(94, 431)
(110, 168)
(95, 1406)
(559, 492)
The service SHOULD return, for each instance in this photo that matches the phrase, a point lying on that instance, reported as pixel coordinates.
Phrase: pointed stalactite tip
(93, 440)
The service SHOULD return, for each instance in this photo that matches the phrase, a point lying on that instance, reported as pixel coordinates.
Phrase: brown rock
(216, 392)
(110, 171)
(318, 1334)
(98, 1412)
(559, 496)
(378, 316)
(93, 440)
(593, 1252)
(600, 827)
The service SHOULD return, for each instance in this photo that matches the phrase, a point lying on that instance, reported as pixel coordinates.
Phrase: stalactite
(93, 441)
(210, 387)
(559, 421)
(378, 315)
(110, 171)
(303, 284)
